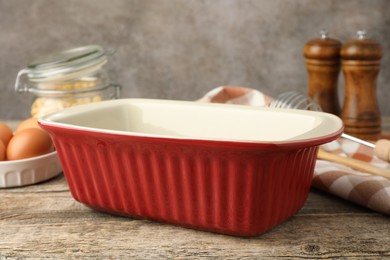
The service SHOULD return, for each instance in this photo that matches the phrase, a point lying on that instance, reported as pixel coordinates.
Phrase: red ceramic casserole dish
(223, 168)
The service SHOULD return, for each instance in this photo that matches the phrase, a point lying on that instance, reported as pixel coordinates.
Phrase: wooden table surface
(44, 221)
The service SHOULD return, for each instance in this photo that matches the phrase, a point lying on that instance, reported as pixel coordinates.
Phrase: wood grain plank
(102, 237)
(46, 222)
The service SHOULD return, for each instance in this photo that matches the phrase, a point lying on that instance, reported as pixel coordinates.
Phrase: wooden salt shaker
(323, 67)
(361, 65)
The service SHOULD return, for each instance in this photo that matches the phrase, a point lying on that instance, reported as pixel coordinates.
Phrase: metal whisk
(297, 100)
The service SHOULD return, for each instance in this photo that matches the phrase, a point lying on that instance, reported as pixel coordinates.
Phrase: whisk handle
(381, 147)
(358, 140)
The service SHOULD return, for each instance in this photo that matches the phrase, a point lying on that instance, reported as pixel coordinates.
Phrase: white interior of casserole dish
(182, 119)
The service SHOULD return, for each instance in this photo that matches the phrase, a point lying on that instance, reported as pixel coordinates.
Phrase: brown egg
(28, 143)
(5, 133)
(28, 123)
(2, 151)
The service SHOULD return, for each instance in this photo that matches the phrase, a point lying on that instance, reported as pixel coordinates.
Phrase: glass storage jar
(68, 78)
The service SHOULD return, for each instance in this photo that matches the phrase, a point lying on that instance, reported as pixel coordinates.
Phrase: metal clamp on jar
(68, 78)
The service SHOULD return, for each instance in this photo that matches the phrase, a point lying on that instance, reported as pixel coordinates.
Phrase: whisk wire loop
(295, 100)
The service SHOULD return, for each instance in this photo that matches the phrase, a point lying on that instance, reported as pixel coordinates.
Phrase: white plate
(29, 171)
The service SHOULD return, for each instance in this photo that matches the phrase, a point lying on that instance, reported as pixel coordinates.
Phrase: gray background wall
(180, 49)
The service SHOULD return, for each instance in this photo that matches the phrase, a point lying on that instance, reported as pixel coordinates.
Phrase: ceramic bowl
(229, 169)
(29, 171)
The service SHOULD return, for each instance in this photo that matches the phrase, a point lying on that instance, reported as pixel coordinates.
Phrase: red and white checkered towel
(359, 187)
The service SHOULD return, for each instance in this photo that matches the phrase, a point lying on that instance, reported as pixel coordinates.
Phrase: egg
(5, 133)
(2, 151)
(28, 143)
(28, 123)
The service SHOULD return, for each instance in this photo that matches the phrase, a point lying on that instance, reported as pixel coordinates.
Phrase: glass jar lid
(66, 62)
(64, 65)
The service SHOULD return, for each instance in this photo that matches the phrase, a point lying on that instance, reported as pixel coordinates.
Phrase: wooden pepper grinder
(323, 67)
(361, 65)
